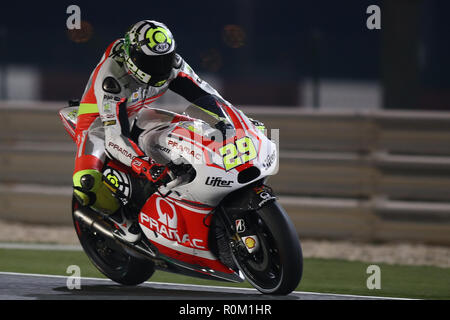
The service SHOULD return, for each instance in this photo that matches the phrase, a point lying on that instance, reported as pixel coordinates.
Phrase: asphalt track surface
(20, 286)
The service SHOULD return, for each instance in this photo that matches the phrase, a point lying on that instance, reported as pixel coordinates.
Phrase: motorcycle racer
(133, 72)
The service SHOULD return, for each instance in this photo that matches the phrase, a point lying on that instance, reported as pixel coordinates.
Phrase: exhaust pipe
(94, 223)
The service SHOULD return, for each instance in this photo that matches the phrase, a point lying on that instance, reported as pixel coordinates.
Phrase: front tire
(109, 257)
(277, 266)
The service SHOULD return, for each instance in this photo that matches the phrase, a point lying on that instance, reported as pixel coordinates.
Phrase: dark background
(261, 50)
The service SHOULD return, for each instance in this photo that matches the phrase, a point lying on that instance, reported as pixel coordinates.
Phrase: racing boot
(127, 228)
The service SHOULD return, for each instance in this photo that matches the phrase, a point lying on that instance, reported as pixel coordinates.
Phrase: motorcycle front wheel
(109, 257)
(276, 267)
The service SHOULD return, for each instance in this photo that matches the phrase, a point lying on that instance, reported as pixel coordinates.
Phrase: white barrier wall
(373, 175)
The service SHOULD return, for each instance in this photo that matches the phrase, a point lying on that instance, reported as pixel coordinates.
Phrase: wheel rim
(261, 268)
(103, 252)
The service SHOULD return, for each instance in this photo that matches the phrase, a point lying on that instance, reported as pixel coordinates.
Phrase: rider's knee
(91, 191)
(87, 180)
(85, 184)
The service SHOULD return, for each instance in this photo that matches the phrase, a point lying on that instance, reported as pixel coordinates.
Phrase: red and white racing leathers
(109, 104)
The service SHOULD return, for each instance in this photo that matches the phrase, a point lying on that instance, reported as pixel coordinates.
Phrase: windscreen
(214, 116)
(211, 118)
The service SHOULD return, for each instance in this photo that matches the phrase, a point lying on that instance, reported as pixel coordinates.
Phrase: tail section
(68, 117)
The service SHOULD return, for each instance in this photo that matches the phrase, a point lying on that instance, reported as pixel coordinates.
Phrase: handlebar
(178, 174)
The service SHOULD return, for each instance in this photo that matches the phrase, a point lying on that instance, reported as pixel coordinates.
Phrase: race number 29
(237, 153)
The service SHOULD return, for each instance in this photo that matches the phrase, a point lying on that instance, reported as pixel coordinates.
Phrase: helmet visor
(158, 67)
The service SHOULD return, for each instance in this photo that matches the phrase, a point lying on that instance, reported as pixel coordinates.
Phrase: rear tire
(277, 266)
(109, 257)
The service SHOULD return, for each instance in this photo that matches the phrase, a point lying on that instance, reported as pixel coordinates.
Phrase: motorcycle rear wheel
(277, 266)
(110, 258)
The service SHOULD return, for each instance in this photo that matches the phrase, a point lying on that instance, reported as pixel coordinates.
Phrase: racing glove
(258, 124)
(154, 172)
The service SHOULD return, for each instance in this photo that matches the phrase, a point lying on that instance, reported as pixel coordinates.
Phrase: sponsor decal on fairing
(166, 224)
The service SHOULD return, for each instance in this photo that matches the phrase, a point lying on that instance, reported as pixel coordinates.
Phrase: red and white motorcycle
(215, 219)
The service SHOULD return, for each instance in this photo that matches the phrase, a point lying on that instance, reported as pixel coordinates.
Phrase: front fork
(238, 214)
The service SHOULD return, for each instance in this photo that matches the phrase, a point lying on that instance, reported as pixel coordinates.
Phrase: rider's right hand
(156, 173)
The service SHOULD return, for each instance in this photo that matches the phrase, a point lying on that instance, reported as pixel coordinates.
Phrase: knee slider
(86, 186)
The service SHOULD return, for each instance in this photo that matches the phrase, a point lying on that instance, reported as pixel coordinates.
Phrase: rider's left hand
(258, 124)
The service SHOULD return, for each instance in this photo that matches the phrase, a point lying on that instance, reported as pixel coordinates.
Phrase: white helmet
(149, 52)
